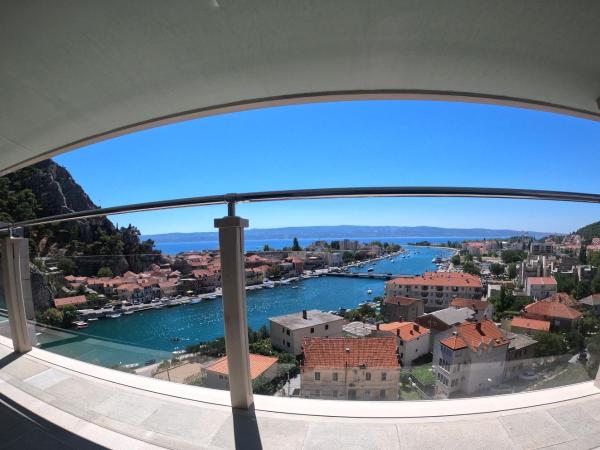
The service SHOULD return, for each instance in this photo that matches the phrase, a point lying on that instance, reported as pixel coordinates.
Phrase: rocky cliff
(80, 247)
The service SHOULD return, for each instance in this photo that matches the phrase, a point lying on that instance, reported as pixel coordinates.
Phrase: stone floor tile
(473, 434)
(47, 379)
(250, 432)
(351, 436)
(534, 429)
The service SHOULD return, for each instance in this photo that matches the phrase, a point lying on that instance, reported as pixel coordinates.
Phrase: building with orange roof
(528, 326)
(413, 339)
(469, 358)
(401, 309)
(350, 368)
(540, 287)
(215, 375)
(63, 301)
(436, 289)
(560, 316)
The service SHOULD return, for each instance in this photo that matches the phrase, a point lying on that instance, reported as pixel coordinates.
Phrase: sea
(154, 334)
(172, 248)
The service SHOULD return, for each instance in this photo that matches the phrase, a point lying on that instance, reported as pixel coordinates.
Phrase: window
(327, 326)
(317, 393)
(317, 376)
(335, 376)
(383, 376)
(288, 344)
(367, 395)
(351, 394)
(334, 393)
(283, 329)
(312, 330)
(368, 376)
(382, 394)
(287, 332)
(283, 340)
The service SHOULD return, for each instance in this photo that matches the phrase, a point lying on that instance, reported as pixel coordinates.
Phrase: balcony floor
(44, 405)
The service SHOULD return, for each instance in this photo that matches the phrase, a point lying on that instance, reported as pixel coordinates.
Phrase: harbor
(155, 331)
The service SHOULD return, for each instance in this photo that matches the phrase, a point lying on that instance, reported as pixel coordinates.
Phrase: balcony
(87, 378)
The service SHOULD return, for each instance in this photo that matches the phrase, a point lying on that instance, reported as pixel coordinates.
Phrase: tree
(593, 348)
(589, 325)
(105, 272)
(266, 248)
(456, 260)
(583, 289)
(67, 265)
(512, 271)
(470, 267)
(513, 256)
(51, 316)
(575, 340)
(596, 284)
(549, 344)
(497, 269)
(70, 315)
(296, 245)
(565, 283)
(335, 245)
(583, 255)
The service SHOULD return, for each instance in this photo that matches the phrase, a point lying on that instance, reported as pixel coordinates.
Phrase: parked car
(528, 375)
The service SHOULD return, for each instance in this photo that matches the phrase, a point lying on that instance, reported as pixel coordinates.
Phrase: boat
(178, 352)
(391, 260)
(159, 306)
(370, 269)
(369, 292)
(294, 287)
(193, 301)
(80, 324)
(127, 313)
(114, 316)
(92, 319)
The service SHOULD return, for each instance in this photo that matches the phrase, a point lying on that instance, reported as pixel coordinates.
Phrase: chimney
(304, 314)
(416, 327)
(478, 327)
(398, 332)
(377, 325)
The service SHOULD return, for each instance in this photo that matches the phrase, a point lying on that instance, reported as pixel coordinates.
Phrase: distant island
(350, 231)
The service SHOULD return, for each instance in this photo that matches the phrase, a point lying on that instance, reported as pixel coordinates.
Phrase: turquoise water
(153, 334)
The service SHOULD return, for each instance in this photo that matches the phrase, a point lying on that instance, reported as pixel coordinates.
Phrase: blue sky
(366, 143)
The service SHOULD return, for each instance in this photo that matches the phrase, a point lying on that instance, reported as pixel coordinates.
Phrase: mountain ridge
(349, 231)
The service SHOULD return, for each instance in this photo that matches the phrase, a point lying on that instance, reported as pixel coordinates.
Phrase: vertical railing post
(231, 244)
(17, 289)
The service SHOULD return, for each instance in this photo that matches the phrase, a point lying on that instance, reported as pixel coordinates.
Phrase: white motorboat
(114, 316)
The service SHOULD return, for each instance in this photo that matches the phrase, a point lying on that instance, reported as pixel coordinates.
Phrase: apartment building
(413, 339)
(402, 309)
(435, 289)
(350, 369)
(540, 287)
(541, 248)
(288, 332)
(469, 358)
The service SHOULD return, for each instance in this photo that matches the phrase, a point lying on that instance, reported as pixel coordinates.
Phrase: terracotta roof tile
(552, 309)
(454, 279)
(530, 324)
(259, 364)
(478, 305)
(350, 352)
(541, 281)
(476, 335)
(407, 331)
(398, 300)
(58, 302)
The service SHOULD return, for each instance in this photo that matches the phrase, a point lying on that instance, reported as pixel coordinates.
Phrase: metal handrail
(308, 194)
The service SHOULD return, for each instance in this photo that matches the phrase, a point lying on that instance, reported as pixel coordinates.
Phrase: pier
(376, 276)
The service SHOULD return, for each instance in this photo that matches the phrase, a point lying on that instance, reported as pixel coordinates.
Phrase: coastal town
(493, 316)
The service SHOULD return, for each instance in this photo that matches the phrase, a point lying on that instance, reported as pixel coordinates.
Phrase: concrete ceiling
(72, 72)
